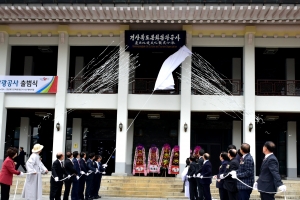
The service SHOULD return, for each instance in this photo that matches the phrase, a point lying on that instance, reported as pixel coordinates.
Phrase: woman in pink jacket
(7, 171)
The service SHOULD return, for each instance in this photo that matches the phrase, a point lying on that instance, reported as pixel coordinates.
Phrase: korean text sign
(28, 84)
(154, 40)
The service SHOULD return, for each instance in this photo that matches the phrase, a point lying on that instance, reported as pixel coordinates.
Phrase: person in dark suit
(206, 171)
(21, 159)
(82, 179)
(230, 184)
(98, 176)
(76, 165)
(191, 178)
(224, 162)
(245, 173)
(237, 157)
(199, 168)
(89, 179)
(269, 178)
(58, 173)
(69, 167)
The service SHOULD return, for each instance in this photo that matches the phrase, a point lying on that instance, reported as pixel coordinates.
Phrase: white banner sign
(28, 84)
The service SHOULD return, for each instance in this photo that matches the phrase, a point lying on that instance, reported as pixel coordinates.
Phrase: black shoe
(95, 197)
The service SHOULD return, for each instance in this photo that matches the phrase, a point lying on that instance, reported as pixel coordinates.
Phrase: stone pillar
(59, 137)
(28, 66)
(249, 90)
(79, 65)
(5, 54)
(25, 134)
(185, 105)
(130, 135)
(237, 133)
(236, 76)
(76, 134)
(122, 112)
(291, 149)
(290, 76)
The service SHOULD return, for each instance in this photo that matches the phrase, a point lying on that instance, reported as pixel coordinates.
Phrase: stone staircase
(152, 187)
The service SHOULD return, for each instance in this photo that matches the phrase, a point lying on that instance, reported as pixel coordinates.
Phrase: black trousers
(68, 184)
(74, 193)
(193, 188)
(22, 165)
(265, 196)
(96, 185)
(89, 186)
(223, 194)
(200, 189)
(206, 191)
(244, 194)
(81, 187)
(55, 190)
(5, 191)
(233, 195)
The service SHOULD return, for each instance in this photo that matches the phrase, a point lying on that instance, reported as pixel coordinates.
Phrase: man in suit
(245, 173)
(191, 178)
(206, 171)
(237, 157)
(21, 159)
(89, 179)
(98, 176)
(230, 184)
(82, 179)
(269, 178)
(76, 165)
(58, 173)
(199, 168)
(69, 167)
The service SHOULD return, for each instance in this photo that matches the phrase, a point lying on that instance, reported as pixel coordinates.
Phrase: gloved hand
(103, 172)
(69, 176)
(194, 175)
(21, 174)
(221, 176)
(198, 175)
(255, 186)
(77, 177)
(215, 176)
(82, 172)
(56, 179)
(104, 165)
(188, 176)
(282, 188)
(233, 174)
(96, 171)
(201, 177)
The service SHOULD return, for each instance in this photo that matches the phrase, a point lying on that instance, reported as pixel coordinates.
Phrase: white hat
(37, 148)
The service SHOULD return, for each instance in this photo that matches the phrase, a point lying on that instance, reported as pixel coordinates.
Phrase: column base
(119, 174)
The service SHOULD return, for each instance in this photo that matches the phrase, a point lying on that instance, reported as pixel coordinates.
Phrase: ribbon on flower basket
(174, 161)
(196, 150)
(139, 163)
(165, 156)
(153, 158)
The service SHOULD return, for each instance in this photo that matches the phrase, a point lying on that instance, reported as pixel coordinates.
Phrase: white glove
(188, 176)
(21, 174)
(69, 176)
(255, 186)
(103, 172)
(215, 176)
(104, 165)
(77, 177)
(97, 171)
(221, 176)
(282, 188)
(201, 177)
(198, 175)
(233, 174)
(82, 172)
(194, 175)
(56, 179)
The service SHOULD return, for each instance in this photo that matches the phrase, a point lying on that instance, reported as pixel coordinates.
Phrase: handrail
(269, 87)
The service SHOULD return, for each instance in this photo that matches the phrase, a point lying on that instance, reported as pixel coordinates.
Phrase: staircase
(152, 187)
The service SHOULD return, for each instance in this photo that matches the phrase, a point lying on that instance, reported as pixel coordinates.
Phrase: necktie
(61, 163)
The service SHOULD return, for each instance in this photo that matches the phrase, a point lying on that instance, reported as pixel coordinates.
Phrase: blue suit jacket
(83, 165)
(206, 172)
(76, 166)
(90, 166)
(246, 172)
(222, 170)
(269, 178)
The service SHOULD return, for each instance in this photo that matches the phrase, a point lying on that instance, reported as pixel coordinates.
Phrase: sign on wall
(28, 84)
(154, 40)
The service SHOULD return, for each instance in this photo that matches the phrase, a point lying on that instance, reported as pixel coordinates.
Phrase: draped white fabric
(165, 80)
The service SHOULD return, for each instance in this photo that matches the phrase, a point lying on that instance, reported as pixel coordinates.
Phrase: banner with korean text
(154, 40)
(28, 84)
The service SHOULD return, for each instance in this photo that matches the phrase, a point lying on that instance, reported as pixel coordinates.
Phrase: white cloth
(186, 182)
(33, 186)
(268, 155)
(205, 161)
(165, 79)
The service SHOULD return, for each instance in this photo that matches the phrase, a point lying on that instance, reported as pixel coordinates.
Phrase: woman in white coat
(185, 179)
(33, 184)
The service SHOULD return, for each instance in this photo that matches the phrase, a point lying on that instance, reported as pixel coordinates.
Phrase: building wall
(65, 36)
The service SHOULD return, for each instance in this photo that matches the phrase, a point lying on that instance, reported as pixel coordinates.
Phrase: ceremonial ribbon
(68, 177)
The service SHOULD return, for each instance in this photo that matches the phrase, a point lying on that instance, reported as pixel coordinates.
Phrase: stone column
(185, 105)
(122, 112)
(290, 76)
(59, 136)
(130, 135)
(25, 134)
(28, 65)
(76, 134)
(237, 133)
(249, 89)
(291, 149)
(236, 76)
(5, 54)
